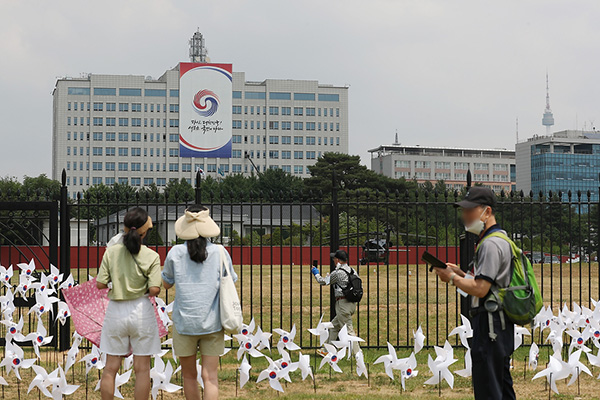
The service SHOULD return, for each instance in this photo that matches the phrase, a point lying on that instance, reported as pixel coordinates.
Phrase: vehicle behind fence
(275, 238)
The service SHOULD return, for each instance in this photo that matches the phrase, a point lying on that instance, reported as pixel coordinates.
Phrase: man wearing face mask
(492, 343)
(344, 309)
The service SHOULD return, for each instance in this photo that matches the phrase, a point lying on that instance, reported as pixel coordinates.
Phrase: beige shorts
(212, 344)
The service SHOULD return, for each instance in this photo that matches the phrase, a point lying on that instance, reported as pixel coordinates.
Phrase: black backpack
(353, 292)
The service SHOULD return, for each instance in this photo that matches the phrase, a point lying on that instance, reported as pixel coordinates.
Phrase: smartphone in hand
(433, 261)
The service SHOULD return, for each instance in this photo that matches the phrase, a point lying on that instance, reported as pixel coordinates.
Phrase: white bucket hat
(192, 225)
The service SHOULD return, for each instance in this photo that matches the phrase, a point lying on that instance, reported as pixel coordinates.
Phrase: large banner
(205, 110)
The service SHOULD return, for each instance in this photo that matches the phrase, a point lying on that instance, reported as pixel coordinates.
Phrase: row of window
(122, 151)
(123, 107)
(447, 165)
(298, 111)
(287, 125)
(448, 176)
(134, 92)
(110, 121)
(248, 95)
(309, 140)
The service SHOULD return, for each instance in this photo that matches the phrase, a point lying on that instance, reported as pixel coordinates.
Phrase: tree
(350, 175)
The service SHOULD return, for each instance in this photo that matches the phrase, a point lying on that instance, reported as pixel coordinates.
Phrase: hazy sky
(450, 73)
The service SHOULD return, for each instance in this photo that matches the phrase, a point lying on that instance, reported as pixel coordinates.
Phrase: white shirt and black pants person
(344, 309)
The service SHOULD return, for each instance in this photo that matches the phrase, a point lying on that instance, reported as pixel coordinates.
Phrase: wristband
(452, 279)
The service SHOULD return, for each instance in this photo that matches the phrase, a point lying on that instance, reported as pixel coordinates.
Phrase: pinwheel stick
(237, 380)
(439, 383)
(368, 376)
(525, 365)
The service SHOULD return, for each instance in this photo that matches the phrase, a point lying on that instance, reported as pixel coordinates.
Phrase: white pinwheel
(67, 283)
(304, 366)
(534, 355)
(520, 331)
(285, 363)
(39, 337)
(14, 359)
(55, 277)
(274, 374)
(39, 381)
(556, 370)
(576, 367)
(93, 360)
(245, 368)
(60, 387)
(332, 357)
(120, 380)
(390, 360)
(419, 339)
(407, 368)
(361, 368)
(27, 268)
(161, 377)
(14, 330)
(440, 366)
(63, 313)
(248, 345)
(322, 331)
(350, 342)
(6, 275)
(463, 331)
(286, 339)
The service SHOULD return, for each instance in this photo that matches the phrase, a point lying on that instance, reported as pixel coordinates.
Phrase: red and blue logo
(206, 103)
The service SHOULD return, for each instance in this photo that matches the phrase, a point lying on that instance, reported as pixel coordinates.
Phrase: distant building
(566, 160)
(125, 128)
(494, 168)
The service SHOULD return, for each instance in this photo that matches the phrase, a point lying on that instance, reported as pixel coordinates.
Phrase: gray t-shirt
(492, 263)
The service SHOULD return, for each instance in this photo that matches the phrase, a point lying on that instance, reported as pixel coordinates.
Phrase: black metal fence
(275, 238)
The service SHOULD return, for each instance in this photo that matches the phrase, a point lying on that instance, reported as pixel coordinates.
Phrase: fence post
(467, 252)
(198, 190)
(334, 236)
(64, 336)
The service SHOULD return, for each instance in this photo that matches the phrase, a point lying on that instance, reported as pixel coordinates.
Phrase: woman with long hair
(130, 323)
(194, 269)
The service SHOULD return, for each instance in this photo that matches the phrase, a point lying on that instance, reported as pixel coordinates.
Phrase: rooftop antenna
(198, 50)
(548, 118)
(396, 140)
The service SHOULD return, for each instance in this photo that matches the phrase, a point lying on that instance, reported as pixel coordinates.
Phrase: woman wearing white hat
(193, 268)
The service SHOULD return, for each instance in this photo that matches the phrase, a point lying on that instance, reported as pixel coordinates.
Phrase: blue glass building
(566, 160)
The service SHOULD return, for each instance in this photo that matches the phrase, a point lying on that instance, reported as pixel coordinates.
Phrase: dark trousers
(491, 358)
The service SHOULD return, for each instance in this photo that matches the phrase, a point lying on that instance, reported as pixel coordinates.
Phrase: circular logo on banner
(205, 103)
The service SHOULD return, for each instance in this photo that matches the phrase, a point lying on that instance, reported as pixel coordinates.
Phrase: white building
(491, 167)
(124, 128)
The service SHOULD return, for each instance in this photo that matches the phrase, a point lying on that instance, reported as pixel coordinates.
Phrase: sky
(446, 73)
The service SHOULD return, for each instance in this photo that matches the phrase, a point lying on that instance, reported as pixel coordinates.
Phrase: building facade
(125, 129)
(490, 167)
(566, 160)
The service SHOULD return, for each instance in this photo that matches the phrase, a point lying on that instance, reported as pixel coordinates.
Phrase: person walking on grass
(133, 270)
(344, 309)
(194, 269)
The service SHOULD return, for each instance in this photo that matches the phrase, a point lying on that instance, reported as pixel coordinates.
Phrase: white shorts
(130, 327)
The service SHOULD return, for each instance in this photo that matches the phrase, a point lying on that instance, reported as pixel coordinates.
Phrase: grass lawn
(397, 300)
